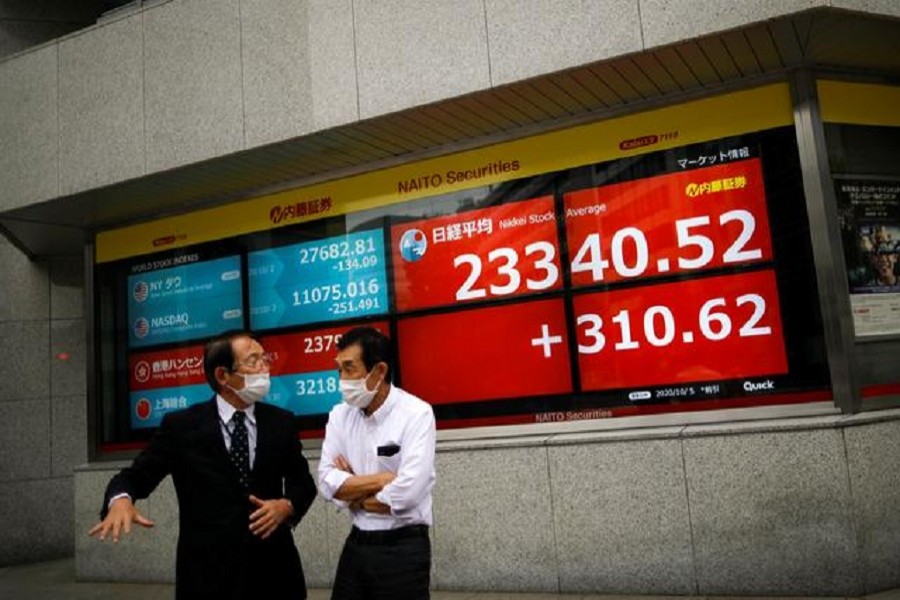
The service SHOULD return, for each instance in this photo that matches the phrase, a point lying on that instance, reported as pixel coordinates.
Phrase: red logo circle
(143, 409)
(142, 372)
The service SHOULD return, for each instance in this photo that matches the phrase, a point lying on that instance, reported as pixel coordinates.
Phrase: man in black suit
(240, 478)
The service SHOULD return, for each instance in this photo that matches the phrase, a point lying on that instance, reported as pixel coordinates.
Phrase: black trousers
(384, 565)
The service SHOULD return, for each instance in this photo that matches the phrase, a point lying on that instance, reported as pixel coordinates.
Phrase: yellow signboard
(660, 129)
(859, 103)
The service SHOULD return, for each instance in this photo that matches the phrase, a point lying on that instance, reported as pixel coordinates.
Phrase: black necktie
(240, 448)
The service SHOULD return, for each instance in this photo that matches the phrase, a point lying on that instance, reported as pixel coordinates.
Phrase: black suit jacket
(217, 556)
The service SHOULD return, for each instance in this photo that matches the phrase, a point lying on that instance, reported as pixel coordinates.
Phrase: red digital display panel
(486, 353)
(166, 369)
(304, 374)
(495, 252)
(680, 222)
(308, 351)
(707, 329)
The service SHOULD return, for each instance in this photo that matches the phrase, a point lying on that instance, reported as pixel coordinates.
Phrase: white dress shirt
(402, 420)
(226, 411)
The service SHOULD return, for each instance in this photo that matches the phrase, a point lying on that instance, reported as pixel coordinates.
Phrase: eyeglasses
(255, 361)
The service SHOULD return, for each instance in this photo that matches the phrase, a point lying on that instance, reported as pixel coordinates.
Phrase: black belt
(388, 536)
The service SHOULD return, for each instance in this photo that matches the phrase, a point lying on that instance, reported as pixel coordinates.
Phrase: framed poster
(869, 217)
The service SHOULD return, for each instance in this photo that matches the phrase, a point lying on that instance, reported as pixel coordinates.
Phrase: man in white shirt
(378, 461)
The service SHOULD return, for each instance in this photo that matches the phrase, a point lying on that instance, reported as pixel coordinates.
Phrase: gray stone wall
(43, 405)
(788, 507)
(178, 82)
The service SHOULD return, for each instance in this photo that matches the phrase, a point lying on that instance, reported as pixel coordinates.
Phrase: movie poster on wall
(869, 217)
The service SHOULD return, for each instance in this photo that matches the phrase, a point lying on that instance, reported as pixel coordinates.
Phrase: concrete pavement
(56, 579)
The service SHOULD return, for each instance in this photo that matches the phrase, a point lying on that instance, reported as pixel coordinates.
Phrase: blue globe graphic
(413, 244)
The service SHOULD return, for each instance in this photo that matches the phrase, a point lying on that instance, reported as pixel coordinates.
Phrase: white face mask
(256, 386)
(356, 393)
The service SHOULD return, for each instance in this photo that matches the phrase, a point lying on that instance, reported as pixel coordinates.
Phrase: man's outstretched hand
(118, 520)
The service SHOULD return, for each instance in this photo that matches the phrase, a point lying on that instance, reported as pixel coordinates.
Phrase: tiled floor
(56, 579)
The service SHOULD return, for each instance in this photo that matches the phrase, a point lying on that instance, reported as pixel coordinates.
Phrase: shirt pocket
(388, 455)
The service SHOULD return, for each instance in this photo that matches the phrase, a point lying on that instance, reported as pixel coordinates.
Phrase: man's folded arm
(357, 487)
(415, 477)
(338, 485)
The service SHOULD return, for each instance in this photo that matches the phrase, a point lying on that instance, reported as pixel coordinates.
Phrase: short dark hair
(375, 346)
(219, 352)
